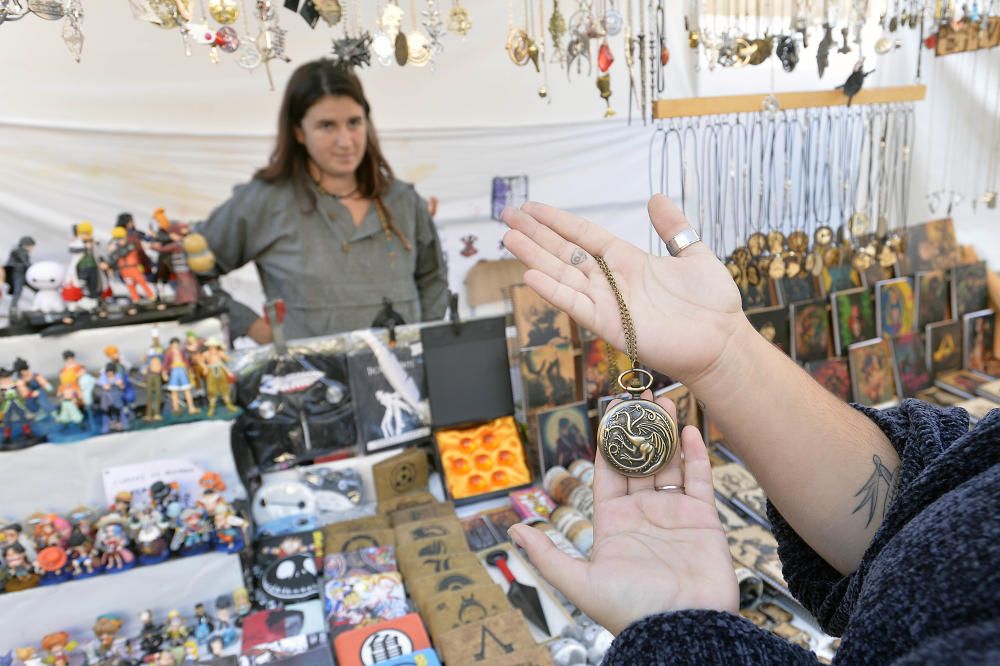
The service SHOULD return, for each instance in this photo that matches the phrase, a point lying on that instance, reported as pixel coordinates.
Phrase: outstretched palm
(684, 308)
(654, 551)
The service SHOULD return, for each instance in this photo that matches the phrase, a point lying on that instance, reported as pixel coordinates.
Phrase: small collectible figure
(32, 387)
(82, 556)
(51, 530)
(149, 528)
(165, 498)
(218, 378)
(58, 646)
(20, 571)
(195, 352)
(169, 245)
(152, 370)
(113, 399)
(113, 542)
(176, 629)
(203, 624)
(85, 281)
(46, 278)
(193, 535)
(224, 628)
(151, 638)
(28, 656)
(241, 600)
(17, 430)
(108, 650)
(16, 271)
(122, 370)
(11, 533)
(53, 564)
(83, 519)
(124, 253)
(177, 373)
(123, 503)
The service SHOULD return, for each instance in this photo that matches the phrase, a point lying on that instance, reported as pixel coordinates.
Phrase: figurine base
(124, 567)
(20, 443)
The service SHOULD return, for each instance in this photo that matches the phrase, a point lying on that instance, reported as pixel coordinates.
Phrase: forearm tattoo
(578, 257)
(880, 487)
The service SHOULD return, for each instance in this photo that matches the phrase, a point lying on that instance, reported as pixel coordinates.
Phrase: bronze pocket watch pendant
(637, 436)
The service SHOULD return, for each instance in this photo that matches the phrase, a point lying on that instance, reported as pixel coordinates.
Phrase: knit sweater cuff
(704, 638)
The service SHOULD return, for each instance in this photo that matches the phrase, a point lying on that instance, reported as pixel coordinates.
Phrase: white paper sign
(138, 477)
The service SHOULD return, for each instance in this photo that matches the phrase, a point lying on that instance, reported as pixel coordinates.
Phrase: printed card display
(811, 336)
(564, 435)
(853, 317)
(931, 301)
(894, 307)
(390, 400)
(911, 370)
(873, 379)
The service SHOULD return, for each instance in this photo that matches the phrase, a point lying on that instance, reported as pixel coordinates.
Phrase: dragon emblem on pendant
(637, 437)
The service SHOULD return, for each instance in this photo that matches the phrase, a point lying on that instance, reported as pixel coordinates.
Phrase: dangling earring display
(636, 436)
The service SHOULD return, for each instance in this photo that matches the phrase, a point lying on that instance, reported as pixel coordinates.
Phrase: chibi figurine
(152, 370)
(123, 503)
(53, 564)
(83, 519)
(193, 534)
(108, 650)
(58, 646)
(225, 631)
(19, 569)
(124, 254)
(177, 373)
(203, 624)
(149, 528)
(82, 556)
(113, 542)
(16, 271)
(51, 530)
(241, 601)
(176, 630)
(11, 533)
(46, 277)
(28, 656)
(218, 378)
(113, 399)
(228, 525)
(165, 498)
(17, 431)
(151, 637)
(34, 388)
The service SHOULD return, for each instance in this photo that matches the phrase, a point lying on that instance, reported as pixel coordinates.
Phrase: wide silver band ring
(682, 240)
(670, 488)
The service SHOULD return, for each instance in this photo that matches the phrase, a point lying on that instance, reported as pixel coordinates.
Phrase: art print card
(944, 347)
(758, 290)
(390, 397)
(961, 382)
(929, 246)
(268, 627)
(685, 402)
(756, 548)
(773, 325)
(932, 302)
(549, 376)
(564, 436)
(968, 289)
(798, 289)
(894, 307)
(978, 330)
(538, 322)
(936, 396)
(912, 375)
(839, 277)
(361, 600)
(812, 339)
(873, 378)
(733, 478)
(853, 317)
(833, 375)
(598, 368)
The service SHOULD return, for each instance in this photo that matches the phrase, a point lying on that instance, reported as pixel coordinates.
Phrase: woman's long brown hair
(289, 162)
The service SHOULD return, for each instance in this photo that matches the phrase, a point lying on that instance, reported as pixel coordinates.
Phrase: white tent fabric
(138, 125)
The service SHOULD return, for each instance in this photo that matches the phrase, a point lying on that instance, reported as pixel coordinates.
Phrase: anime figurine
(123, 503)
(86, 282)
(196, 357)
(82, 556)
(193, 534)
(53, 564)
(16, 271)
(224, 622)
(177, 373)
(228, 525)
(113, 399)
(133, 235)
(176, 630)
(152, 370)
(151, 637)
(45, 277)
(124, 254)
(149, 528)
(28, 656)
(165, 498)
(218, 377)
(19, 569)
(203, 624)
(70, 400)
(241, 600)
(108, 650)
(17, 431)
(58, 646)
(51, 530)
(169, 244)
(83, 519)
(34, 388)
(114, 356)
(113, 542)
(13, 533)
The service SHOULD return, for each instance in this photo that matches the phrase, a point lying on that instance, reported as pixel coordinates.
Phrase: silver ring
(684, 239)
(670, 488)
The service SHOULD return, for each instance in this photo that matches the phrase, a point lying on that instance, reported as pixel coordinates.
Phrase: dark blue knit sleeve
(920, 433)
(702, 638)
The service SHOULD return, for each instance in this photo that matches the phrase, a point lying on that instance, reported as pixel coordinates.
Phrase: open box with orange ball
(478, 443)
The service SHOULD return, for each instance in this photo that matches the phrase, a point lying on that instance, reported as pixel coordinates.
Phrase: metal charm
(637, 436)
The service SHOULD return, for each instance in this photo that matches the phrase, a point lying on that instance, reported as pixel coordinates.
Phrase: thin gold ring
(670, 488)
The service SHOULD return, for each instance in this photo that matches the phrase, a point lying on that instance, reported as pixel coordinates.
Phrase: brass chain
(631, 348)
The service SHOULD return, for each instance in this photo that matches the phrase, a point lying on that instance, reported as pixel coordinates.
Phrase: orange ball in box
(483, 459)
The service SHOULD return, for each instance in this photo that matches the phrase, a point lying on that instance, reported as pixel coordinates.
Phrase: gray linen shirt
(331, 274)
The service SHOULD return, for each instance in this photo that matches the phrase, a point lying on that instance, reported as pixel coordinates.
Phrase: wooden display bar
(710, 106)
